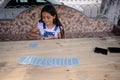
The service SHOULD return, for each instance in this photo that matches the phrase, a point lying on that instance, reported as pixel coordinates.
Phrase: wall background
(76, 24)
(111, 10)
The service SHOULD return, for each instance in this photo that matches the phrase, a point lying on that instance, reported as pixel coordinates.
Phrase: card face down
(40, 61)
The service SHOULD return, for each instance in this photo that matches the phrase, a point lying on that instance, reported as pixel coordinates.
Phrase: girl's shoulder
(60, 27)
(40, 23)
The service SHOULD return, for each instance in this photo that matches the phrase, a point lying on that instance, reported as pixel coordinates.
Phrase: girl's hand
(50, 37)
(41, 37)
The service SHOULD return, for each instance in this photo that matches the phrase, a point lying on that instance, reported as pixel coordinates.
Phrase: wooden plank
(92, 66)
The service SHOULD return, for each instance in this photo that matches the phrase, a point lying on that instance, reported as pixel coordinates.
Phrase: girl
(49, 26)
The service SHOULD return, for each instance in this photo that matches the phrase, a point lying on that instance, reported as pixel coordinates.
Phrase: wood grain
(93, 66)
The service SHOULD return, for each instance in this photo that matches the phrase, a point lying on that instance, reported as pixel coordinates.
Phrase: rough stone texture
(76, 24)
(111, 10)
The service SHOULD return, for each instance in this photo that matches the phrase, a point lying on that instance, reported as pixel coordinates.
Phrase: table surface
(93, 66)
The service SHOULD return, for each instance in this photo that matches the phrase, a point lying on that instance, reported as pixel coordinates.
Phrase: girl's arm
(35, 33)
(59, 35)
(52, 37)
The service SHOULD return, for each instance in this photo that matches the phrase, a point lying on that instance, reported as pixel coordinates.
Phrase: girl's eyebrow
(47, 16)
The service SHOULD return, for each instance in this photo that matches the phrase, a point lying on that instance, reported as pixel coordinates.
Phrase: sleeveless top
(44, 31)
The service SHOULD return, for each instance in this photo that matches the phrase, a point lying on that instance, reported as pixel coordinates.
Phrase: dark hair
(51, 10)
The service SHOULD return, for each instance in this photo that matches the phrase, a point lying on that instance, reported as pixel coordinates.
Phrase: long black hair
(52, 11)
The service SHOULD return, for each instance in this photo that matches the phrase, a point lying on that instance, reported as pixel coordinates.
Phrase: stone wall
(76, 24)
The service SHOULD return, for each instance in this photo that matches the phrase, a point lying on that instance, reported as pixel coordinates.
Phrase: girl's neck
(50, 26)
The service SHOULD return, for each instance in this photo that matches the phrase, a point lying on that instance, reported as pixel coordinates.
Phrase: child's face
(47, 18)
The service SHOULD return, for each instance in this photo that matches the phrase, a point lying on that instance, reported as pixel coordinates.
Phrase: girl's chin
(47, 23)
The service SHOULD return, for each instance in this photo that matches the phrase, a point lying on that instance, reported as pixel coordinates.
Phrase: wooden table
(92, 66)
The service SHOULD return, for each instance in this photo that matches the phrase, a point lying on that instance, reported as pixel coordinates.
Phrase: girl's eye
(43, 17)
(48, 17)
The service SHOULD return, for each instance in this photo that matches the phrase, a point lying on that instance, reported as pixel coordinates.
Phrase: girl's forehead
(46, 14)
